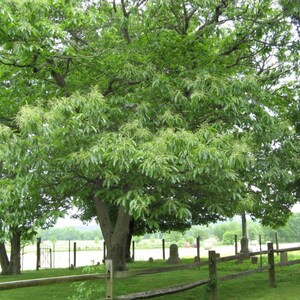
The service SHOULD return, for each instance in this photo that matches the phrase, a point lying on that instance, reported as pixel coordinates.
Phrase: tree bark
(102, 211)
(119, 240)
(115, 236)
(129, 239)
(128, 245)
(15, 255)
(4, 261)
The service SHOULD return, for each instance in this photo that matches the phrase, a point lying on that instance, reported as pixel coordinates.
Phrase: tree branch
(215, 18)
(114, 6)
(140, 3)
(125, 28)
(59, 78)
(236, 45)
(110, 89)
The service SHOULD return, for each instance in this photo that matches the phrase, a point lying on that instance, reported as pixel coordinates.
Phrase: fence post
(69, 254)
(23, 253)
(271, 265)
(109, 281)
(74, 260)
(38, 253)
(198, 247)
(236, 244)
(212, 275)
(133, 250)
(50, 252)
(163, 249)
(260, 249)
(276, 241)
(53, 255)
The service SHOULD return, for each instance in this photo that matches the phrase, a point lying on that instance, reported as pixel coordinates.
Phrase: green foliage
(220, 229)
(74, 137)
(69, 233)
(173, 236)
(88, 289)
(166, 108)
(289, 233)
(286, 234)
(228, 237)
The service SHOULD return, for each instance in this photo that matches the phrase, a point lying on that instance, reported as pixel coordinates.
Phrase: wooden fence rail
(213, 261)
(48, 281)
(122, 274)
(288, 263)
(287, 249)
(213, 278)
(165, 291)
(242, 274)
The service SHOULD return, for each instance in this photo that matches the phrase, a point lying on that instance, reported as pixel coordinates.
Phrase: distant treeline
(223, 232)
(70, 233)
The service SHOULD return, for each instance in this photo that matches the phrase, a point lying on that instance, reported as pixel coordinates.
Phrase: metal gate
(46, 258)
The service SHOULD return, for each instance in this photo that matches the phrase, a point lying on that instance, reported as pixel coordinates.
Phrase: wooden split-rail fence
(212, 281)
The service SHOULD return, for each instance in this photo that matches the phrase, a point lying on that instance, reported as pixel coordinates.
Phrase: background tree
(23, 201)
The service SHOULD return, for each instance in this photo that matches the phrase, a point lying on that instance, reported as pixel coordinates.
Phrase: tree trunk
(129, 239)
(15, 255)
(119, 240)
(4, 262)
(114, 236)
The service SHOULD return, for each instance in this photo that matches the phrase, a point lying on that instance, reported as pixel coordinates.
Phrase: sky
(69, 222)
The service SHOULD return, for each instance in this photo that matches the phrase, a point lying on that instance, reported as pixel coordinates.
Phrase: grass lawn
(55, 291)
(246, 288)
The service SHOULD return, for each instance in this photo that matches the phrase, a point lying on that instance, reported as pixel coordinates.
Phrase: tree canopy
(145, 109)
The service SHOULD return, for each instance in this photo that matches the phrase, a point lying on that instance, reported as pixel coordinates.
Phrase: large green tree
(98, 153)
(194, 98)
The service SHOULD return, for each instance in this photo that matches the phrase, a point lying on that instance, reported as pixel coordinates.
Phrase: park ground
(251, 287)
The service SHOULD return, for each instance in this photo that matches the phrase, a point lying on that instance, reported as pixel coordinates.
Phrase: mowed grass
(255, 286)
(54, 291)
